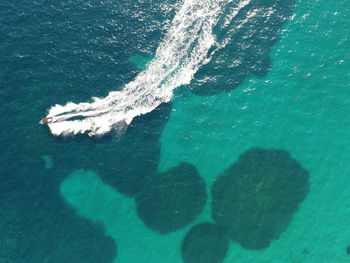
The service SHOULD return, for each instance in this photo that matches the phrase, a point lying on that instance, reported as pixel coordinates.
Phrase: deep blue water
(52, 52)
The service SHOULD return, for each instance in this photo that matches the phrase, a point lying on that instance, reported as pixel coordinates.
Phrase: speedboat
(46, 120)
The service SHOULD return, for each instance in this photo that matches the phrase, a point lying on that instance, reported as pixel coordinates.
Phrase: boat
(46, 120)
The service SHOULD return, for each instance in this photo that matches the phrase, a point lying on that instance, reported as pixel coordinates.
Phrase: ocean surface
(227, 141)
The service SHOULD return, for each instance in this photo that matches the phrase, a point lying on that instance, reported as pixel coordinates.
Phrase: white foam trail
(178, 57)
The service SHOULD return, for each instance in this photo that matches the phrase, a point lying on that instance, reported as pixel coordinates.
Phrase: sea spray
(184, 49)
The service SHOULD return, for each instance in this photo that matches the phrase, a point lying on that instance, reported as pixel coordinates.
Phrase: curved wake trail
(179, 56)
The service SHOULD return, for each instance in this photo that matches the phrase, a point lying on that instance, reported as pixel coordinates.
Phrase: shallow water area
(300, 106)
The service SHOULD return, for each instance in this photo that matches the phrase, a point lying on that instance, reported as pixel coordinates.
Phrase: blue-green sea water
(248, 163)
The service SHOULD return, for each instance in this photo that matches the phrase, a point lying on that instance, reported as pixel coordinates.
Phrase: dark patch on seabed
(205, 243)
(253, 32)
(171, 200)
(126, 162)
(348, 250)
(256, 197)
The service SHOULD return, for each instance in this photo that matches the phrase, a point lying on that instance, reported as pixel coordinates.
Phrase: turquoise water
(129, 197)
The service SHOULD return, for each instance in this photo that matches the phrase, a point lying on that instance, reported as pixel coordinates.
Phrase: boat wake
(188, 44)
